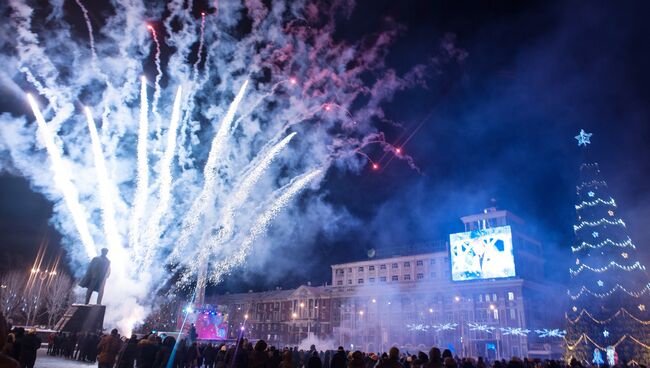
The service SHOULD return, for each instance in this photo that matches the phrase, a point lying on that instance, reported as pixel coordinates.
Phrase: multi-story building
(416, 300)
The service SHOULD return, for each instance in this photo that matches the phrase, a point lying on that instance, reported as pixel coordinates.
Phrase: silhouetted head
(393, 353)
(104, 251)
(114, 332)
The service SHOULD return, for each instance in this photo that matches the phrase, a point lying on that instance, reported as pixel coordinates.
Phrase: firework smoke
(209, 184)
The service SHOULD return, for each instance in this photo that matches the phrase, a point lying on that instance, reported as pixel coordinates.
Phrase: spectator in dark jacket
(314, 361)
(165, 352)
(258, 357)
(339, 360)
(128, 353)
(146, 352)
(30, 343)
(209, 356)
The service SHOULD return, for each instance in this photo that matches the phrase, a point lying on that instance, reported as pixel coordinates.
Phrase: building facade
(410, 301)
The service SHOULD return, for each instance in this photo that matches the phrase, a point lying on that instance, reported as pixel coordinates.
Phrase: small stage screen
(210, 324)
(482, 254)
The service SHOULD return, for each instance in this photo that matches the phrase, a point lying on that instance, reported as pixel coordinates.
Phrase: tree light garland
(598, 223)
(623, 244)
(595, 202)
(620, 312)
(592, 183)
(583, 290)
(612, 264)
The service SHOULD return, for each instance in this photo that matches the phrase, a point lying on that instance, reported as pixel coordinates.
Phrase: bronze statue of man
(96, 275)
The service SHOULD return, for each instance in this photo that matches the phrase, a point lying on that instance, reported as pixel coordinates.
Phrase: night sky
(499, 125)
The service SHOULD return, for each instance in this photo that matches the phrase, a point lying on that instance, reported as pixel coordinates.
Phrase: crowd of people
(153, 351)
(18, 349)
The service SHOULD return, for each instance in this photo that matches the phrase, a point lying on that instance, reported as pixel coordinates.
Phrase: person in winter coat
(435, 358)
(108, 348)
(165, 352)
(5, 359)
(339, 360)
(258, 357)
(220, 360)
(274, 357)
(287, 359)
(314, 361)
(128, 353)
(146, 352)
(30, 344)
(209, 356)
(392, 361)
(193, 355)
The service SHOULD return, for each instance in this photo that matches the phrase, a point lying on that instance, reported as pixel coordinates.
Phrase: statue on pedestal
(95, 277)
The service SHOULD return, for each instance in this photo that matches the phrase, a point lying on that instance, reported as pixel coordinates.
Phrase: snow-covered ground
(45, 361)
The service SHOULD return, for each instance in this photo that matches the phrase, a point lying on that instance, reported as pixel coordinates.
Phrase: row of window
(407, 264)
(371, 280)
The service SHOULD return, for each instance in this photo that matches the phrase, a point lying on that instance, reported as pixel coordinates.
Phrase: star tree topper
(583, 138)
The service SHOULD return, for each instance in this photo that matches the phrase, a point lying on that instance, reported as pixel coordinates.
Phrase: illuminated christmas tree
(610, 289)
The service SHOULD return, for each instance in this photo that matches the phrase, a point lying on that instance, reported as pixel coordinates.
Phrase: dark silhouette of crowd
(17, 346)
(18, 349)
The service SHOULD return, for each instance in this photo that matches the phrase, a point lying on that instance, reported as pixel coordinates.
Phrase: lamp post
(40, 276)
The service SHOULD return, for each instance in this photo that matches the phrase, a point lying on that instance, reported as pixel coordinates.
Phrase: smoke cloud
(268, 103)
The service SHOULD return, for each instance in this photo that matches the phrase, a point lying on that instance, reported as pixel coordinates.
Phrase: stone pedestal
(82, 318)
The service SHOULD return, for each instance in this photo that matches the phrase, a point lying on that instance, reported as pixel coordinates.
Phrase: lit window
(494, 297)
(513, 314)
(419, 263)
(511, 295)
(495, 313)
(487, 297)
(360, 281)
(407, 264)
(407, 277)
(394, 278)
(394, 265)
(420, 276)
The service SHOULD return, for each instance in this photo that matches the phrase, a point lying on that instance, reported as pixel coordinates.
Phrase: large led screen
(482, 254)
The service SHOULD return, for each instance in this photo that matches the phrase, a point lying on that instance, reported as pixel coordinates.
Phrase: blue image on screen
(482, 254)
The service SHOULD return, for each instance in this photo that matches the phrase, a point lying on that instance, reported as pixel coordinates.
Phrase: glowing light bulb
(295, 81)
(328, 107)
(149, 26)
(398, 150)
(375, 166)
